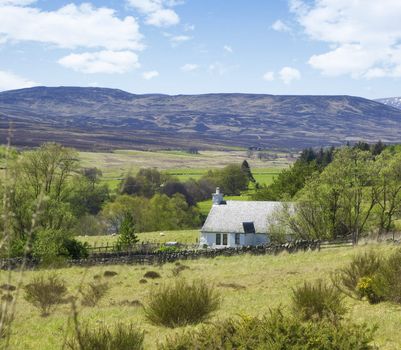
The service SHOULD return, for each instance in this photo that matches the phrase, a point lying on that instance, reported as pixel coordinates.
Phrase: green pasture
(115, 166)
(184, 236)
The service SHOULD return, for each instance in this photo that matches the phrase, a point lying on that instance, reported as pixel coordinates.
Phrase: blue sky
(202, 46)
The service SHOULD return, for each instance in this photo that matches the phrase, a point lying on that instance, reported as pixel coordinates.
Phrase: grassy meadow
(181, 164)
(183, 236)
(248, 285)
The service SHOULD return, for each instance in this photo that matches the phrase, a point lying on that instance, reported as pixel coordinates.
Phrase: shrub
(122, 337)
(94, 292)
(76, 249)
(366, 289)
(143, 281)
(109, 273)
(317, 301)
(45, 292)
(8, 298)
(151, 274)
(274, 332)
(8, 287)
(387, 281)
(167, 249)
(363, 265)
(53, 247)
(182, 303)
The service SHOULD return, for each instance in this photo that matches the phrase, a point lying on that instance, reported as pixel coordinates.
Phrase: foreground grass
(248, 284)
(183, 236)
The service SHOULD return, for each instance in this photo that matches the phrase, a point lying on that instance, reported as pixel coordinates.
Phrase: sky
(308, 47)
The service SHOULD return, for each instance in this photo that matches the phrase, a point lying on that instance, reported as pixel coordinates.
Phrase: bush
(182, 303)
(366, 289)
(122, 337)
(151, 274)
(317, 301)
(108, 273)
(45, 292)
(387, 281)
(362, 265)
(76, 249)
(94, 292)
(167, 249)
(274, 332)
(53, 247)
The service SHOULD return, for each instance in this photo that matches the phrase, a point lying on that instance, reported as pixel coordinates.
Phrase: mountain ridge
(105, 118)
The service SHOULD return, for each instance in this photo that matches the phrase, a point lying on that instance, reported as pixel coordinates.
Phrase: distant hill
(98, 118)
(391, 101)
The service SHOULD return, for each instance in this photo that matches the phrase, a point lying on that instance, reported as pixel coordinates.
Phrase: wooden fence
(144, 247)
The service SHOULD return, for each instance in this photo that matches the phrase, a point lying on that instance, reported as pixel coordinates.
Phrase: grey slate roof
(230, 217)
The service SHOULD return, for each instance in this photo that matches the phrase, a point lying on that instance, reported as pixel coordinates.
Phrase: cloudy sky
(198, 46)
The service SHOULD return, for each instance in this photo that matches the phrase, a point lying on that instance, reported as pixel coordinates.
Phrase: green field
(181, 164)
(184, 236)
(265, 281)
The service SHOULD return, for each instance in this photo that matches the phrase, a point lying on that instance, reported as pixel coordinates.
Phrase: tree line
(355, 193)
(48, 199)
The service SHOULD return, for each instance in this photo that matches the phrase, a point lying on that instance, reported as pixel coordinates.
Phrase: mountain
(98, 118)
(391, 101)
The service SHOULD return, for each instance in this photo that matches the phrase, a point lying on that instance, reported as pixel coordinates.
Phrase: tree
(247, 170)
(388, 191)
(232, 179)
(127, 236)
(42, 180)
(114, 213)
(170, 188)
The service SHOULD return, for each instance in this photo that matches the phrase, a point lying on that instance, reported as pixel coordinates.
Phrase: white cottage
(237, 223)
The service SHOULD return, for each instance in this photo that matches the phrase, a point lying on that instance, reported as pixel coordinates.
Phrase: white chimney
(217, 198)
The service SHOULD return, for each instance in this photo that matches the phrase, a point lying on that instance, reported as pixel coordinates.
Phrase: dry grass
(268, 281)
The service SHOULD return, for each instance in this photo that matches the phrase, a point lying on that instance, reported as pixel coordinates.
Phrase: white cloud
(157, 12)
(220, 68)
(228, 48)
(288, 74)
(150, 74)
(180, 38)
(107, 62)
(10, 81)
(364, 35)
(268, 76)
(189, 27)
(280, 26)
(16, 2)
(70, 27)
(189, 67)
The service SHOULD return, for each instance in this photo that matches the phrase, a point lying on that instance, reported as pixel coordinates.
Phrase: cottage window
(237, 239)
(249, 227)
(218, 238)
(225, 239)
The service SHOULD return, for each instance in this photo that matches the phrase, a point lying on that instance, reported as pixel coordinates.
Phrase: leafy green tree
(388, 191)
(127, 237)
(42, 181)
(114, 213)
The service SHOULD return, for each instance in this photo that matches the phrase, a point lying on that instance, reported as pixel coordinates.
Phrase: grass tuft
(182, 303)
(45, 292)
